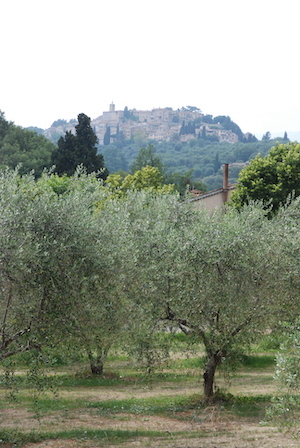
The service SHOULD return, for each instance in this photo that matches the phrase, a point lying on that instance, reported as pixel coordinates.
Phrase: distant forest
(202, 160)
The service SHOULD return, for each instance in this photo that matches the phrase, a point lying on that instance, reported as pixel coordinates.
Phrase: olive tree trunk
(209, 375)
(96, 363)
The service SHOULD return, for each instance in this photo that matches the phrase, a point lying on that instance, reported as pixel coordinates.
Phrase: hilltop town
(159, 124)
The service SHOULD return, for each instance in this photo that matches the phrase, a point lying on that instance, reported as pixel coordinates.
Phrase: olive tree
(18, 305)
(94, 308)
(55, 281)
(231, 277)
(284, 409)
(218, 278)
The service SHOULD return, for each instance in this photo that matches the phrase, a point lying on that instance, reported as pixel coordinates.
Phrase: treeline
(23, 147)
(32, 152)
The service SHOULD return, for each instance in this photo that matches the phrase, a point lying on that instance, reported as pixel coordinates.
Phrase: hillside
(187, 141)
(197, 160)
(159, 124)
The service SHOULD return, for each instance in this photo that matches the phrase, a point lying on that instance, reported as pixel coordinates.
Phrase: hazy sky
(227, 57)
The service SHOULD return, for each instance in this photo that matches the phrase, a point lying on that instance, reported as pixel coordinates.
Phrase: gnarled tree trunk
(96, 363)
(209, 375)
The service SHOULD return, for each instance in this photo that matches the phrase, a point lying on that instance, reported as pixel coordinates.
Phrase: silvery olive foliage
(285, 407)
(52, 265)
(220, 278)
(81, 268)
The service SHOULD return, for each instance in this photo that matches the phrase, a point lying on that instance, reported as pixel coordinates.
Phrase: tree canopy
(271, 179)
(147, 157)
(148, 178)
(18, 146)
(220, 279)
(53, 265)
(81, 148)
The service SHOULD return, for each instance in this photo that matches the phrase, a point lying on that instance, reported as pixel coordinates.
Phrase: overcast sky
(227, 57)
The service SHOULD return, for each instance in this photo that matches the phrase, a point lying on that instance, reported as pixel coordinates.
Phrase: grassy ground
(126, 408)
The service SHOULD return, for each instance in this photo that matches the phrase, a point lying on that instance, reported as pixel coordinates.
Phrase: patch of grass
(42, 403)
(88, 380)
(18, 438)
(83, 379)
(168, 376)
(252, 381)
(250, 406)
(240, 406)
(101, 435)
(46, 404)
(258, 361)
(189, 363)
(243, 406)
(161, 405)
(125, 380)
(118, 358)
(109, 435)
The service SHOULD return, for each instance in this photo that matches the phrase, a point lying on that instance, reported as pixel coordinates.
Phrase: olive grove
(79, 267)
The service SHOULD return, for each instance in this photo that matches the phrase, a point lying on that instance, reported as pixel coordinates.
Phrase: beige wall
(212, 201)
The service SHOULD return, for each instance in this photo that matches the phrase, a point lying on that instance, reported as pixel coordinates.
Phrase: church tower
(112, 107)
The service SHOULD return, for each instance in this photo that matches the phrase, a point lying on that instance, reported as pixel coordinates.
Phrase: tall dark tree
(182, 129)
(106, 139)
(87, 144)
(74, 150)
(217, 163)
(64, 158)
(126, 112)
(187, 128)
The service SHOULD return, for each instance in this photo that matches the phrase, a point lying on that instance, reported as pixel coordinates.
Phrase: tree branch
(5, 343)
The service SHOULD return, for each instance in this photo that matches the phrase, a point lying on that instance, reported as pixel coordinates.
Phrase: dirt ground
(207, 429)
(218, 434)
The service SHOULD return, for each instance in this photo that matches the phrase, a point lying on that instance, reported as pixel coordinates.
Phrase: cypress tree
(81, 148)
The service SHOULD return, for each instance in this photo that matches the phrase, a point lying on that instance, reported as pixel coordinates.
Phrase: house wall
(214, 200)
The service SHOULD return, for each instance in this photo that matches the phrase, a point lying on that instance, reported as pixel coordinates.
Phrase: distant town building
(160, 124)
